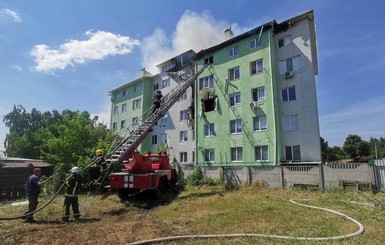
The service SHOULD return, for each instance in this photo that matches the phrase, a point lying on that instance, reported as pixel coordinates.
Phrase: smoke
(193, 31)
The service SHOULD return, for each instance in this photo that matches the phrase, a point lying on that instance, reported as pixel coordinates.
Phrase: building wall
(223, 140)
(305, 106)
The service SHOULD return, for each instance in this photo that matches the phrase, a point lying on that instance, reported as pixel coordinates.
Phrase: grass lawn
(206, 210)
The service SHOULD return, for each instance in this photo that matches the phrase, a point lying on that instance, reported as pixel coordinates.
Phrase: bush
(197, 178)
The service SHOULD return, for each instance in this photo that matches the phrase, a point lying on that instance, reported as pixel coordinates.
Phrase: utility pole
(375, 149)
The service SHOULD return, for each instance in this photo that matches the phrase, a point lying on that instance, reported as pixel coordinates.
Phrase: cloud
(9, 15)
(99, 45)
(193, 31)
(17, 68)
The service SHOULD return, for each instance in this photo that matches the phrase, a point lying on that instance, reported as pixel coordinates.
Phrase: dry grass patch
(206, 210)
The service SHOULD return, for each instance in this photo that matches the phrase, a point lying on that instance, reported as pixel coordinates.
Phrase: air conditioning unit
(253, 104)
(289, 74)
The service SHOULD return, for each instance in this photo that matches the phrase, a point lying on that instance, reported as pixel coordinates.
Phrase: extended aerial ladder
(129, 139)
(185, 78)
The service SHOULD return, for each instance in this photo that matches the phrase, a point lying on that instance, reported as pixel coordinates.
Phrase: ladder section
(135, 134)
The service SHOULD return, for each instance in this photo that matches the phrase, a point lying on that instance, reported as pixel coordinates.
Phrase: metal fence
(379, 172)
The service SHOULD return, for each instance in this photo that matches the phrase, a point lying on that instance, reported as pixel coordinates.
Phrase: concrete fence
(322, 176)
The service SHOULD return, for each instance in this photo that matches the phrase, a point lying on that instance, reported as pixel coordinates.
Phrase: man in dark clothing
(156, 99)
(73, 185)
(32, 187)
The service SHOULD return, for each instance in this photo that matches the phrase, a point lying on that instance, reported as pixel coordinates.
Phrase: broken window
(209, 60)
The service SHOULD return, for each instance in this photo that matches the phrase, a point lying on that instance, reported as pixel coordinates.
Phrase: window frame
(209, 155)
(183, 136)
(233, 99)
(183, 115)
(236, 154)
(292, 64)
(123, 124)
(206, 82)
(257, 69)
(294, 151)
(260, 125)
(258, 91)
(233, 72)
(183, 157)
(286, 40)
(288, 94)
(233, 51)
(257, 43)
(136, 104)
(154, 139)
(209, 130)
(237, 128)
(292, 123)
(260, 149)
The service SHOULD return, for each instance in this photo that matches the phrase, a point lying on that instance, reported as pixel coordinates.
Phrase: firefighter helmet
(75, 170)
(99, 152)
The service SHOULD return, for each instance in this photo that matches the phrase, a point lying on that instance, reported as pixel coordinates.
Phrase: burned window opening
(209, 60)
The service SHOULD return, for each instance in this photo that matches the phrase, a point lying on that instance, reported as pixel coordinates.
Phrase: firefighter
(32, 188)
(97, 175)
(73, 185)
(156, 99)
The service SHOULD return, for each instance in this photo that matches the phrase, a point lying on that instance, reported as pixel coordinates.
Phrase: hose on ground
(360, 231)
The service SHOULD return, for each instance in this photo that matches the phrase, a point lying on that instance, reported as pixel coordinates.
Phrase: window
(124, 107)
(235, 99)
(236, 126)
(290, 123)
(154, 139)
(163, 138)
(288, 94)
(135, 121)
(234, 73)
(124, 92)
(256, 67)
(236, 154)
(206, 82)
(156, 86)
(209, 60)
(292, 64)
(293, 153)
(209, 155)
(123, 124)
(115, 126)
(258, 94)
(183, 136)
(255, 43)
(137, 87)
(233, 51)
(183, 115)
(193, 156)
(260, 123)
(136, 104)
(163, 121)
(183, 97)
(209, 130)
(116, 110)
(284, 41)
(166, 83)
(183, 157)
(261, 153)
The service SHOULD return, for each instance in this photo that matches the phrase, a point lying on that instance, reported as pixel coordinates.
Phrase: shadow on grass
(116, 212)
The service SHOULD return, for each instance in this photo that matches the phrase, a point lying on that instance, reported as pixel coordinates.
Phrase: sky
(57, 55)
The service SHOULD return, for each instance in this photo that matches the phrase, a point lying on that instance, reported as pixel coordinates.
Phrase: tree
(324, 149)
(377, 147)
(354, 146)
(61, 139)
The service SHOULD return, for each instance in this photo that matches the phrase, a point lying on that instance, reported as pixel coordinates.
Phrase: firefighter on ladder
(73, 185)
(97, 175)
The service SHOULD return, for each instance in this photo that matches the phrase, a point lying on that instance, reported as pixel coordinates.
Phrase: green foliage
(377, 148)
(64, 139)
(354, 146)
(197, 178)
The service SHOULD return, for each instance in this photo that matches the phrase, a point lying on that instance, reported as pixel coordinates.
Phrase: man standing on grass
(32, 187)
(73, 185)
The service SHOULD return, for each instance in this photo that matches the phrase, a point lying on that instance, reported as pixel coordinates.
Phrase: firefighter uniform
(73, 185)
